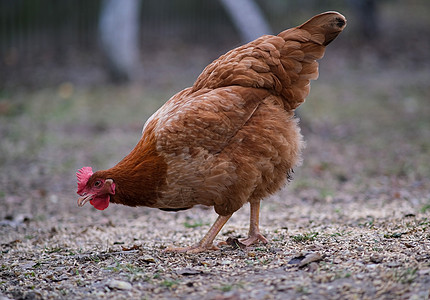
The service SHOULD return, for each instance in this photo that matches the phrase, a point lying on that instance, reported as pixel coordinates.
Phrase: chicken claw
(254, 235)
(253, 239)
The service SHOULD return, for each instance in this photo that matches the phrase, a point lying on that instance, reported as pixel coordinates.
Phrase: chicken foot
(206, 243)
(254, 234)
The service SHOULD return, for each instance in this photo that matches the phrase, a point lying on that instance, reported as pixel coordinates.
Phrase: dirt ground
(353, 224)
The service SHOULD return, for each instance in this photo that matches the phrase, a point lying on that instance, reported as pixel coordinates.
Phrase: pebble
(148, 258)
(313, 267)
(119, 285)
(376, 258)
(310, 257)
(424, 272)
(394, 264)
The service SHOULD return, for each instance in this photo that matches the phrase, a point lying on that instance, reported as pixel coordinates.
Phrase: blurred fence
(27, 26)
(32, 26)
(64, 32)
(56, 33)
(53, 33)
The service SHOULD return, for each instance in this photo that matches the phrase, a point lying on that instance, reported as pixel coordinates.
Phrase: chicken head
(95, 190)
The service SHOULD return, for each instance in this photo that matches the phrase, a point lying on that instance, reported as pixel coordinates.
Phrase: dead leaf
(188, 272)
(235, 243)
(296, 260)
(134, 247)
(148, 259)
(12, 243)
(306, 259)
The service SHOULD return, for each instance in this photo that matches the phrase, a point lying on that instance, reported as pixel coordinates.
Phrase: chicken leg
(254, 234)
(206, 243)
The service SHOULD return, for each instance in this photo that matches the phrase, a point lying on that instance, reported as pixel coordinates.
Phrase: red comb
(83, 175)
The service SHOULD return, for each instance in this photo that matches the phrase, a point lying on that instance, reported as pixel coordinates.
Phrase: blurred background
(47, 42)
(79, 78)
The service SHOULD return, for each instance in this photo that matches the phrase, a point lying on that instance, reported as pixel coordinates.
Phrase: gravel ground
(349, 226)
(319, 249)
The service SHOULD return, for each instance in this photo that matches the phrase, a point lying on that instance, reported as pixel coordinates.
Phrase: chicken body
(224, 147)
(229, 139)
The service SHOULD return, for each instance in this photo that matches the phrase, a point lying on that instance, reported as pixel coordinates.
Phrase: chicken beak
(84, 199)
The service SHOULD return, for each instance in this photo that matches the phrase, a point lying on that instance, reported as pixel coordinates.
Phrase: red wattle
(100, 203)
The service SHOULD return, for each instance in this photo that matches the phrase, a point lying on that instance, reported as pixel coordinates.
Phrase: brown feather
(140, 176)
(231, 138)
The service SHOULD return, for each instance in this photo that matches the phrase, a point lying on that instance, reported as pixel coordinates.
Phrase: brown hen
(229, 139)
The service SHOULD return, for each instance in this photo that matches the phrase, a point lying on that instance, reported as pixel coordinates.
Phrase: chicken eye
(97, 183)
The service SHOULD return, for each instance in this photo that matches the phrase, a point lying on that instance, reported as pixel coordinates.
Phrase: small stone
(99, 294)
(377, 259)
(205, 263)
(393, 264)
(303, 260)
(409, 245)
(119, 285)
(424, 272)
(337, 260)
(310, 257)
(313, 266)
(235, 243)
(148, 259)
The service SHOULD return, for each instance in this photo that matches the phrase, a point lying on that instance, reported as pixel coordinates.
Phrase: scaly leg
(206, 243)
(254, 234)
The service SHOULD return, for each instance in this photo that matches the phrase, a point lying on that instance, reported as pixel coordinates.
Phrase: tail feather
(325, 27)
(283, 64)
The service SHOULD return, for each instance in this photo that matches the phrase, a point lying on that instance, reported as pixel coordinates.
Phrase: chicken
(229, 139)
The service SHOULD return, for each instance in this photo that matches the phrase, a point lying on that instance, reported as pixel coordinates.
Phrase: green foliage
(425, 208)
(302, 289)
(405, 276)
(191, 223)
(394, 235)
(227, 287)
(306, 237)
(53, 250)
(169, 283)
